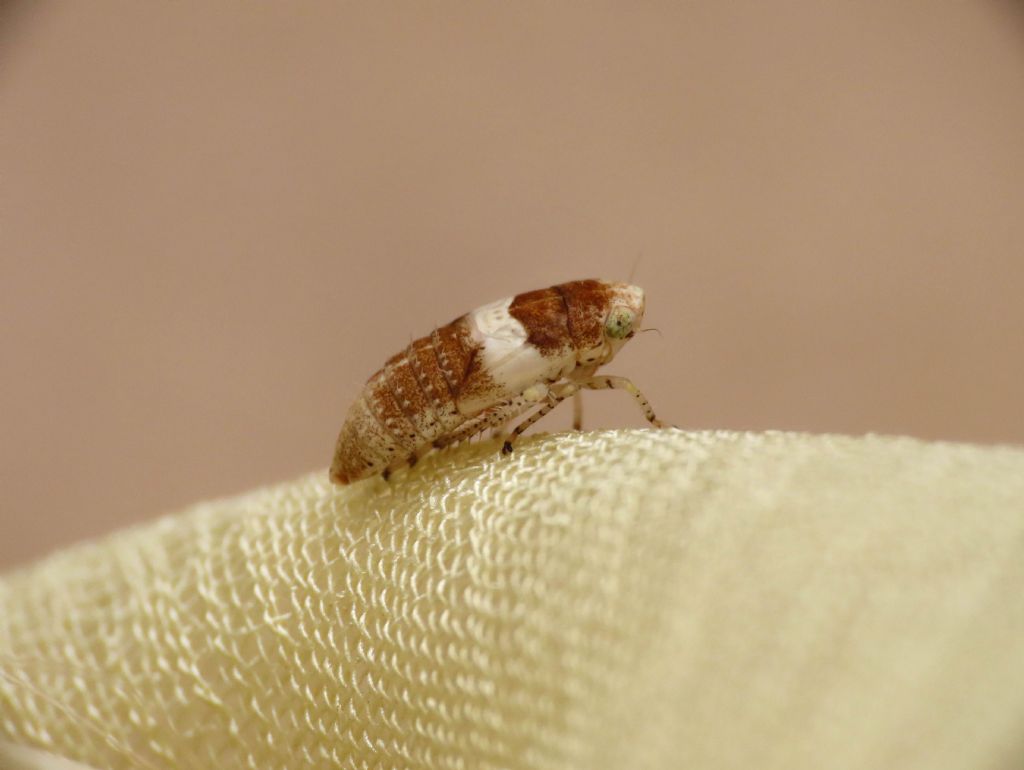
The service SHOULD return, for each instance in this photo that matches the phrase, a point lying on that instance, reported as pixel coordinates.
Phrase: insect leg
(577, 410)
(494, 417)
(621, 383)
(555, 397)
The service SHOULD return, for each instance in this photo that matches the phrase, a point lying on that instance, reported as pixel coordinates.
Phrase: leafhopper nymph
(486, 368)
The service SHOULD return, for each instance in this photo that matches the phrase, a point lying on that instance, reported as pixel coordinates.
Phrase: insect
(486, 368)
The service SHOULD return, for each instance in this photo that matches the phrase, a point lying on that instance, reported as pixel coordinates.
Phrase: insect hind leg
(495, 417)
(554, 398)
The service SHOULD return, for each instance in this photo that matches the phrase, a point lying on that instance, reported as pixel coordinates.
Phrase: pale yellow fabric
(635, 599)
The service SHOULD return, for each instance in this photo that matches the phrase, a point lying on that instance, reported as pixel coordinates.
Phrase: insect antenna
(636, 264)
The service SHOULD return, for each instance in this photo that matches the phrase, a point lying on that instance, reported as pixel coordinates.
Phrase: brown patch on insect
(427, 369)
(410, 397)
(458, 359)
(586, 303)
(542, 314)
(364, 445)
(454, 348)
(384, 406)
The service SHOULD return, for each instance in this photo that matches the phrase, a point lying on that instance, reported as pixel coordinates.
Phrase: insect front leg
(622, 383)
(555, 396)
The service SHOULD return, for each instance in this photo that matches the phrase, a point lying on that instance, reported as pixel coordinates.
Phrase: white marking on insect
(486, 368)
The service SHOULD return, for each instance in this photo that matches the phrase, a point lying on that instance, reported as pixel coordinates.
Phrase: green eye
(619, 323)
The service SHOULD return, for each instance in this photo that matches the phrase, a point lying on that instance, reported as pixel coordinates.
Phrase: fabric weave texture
(623, 599)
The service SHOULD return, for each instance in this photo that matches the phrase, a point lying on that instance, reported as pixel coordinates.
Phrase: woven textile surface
(629, 599)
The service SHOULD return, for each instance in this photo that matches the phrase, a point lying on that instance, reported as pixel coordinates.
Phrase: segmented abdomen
(408, 404)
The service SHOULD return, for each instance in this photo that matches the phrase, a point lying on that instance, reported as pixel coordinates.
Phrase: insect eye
(619, 325)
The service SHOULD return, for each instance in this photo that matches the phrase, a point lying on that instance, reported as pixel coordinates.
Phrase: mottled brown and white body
(485, 368)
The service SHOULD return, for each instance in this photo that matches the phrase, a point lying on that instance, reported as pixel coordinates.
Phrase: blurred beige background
(218, 219)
